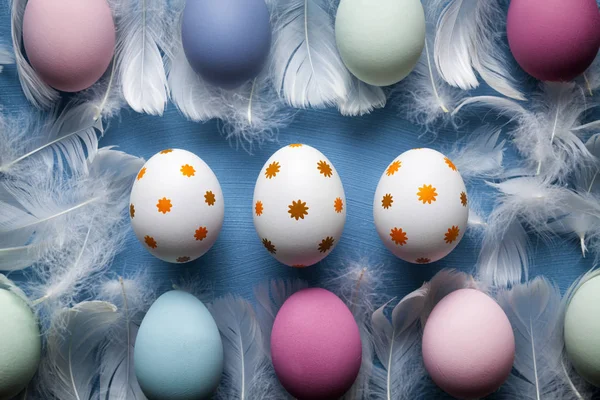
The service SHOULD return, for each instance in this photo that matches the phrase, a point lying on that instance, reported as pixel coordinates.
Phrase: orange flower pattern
(452, 234)
(450, 164)
(209, 198)
(201, 233)
(463, 199)
(150, 242)
(258, 208)
(164, 205)
(298, 209)
(398, 236)
(393, 168)
(338, 205)
(422, 260)
(188, 170)
(294, 145)
(183, 259)
(326, 244)
(141, 174)
(167, 151)
(427, 194)
(131, 211)
(387, 201)
(272, 170)
(324, 169)
(269, 246)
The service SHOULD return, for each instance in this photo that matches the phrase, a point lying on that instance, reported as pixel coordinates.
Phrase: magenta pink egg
(70, 43)
(315, 346)
(554, 40)
(468, 344)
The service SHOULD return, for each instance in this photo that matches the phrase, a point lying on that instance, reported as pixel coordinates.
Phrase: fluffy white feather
(143, 32)
(536, 314)
(590, 79)
(70, 368)
(40, 94)
(362, 99)
(245, 360)
(467, 41)
(480, 155)
(6, 56)
(308, 71)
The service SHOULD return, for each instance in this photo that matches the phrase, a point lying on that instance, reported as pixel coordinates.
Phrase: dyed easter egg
(582, 330)
(554, 40)
(420, 206)
(20, 344)
(69, 43)
(299, 206)
(468, 344)
(177, 206)
(315, 345)
(380, 42)
(227, 42)
(178, 350)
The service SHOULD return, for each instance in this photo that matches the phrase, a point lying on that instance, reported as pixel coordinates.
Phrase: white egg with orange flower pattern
(299, 206)
(176, 206)
(421, 206)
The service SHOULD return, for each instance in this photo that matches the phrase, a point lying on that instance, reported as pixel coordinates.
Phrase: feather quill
(308, 71)
(69, 369)
(40, 94)
(466, 42)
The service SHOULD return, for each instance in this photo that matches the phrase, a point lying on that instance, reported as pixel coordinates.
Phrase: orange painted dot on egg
(393, 168)
(209, 198)
(188, 170)
(326, 244)
(164, 205)
(450, 164)
(398, 236)
(182, 259)
(167, 151)
(258, 208)
(269, 246)
(427, 194)
(272, 170)
(338, 205)
(463, 199)
(141, 174)
(295, 145)
(324, 169)
(201, 233)
(387, 201)
(131, 210)
(298, 210)
(150, 242)
(452, 234)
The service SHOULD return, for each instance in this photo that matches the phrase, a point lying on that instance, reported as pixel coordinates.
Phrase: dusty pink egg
(554, 40)
(70, 43)
(468, 344)
(315, 345)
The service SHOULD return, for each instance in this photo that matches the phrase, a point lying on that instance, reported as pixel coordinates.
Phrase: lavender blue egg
(227, 42)
(178, 350)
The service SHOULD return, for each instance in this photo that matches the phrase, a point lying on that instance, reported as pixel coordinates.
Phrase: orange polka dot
(387, 201)
(463, 199)
(298, 209)
(131, 211)
(164, 205)
(326, 244)
(201, 233)
(188, 170)
(150, 242)
(258, 208)
(325, 169)
(295, 145)
(452, 234)
(141, 174)
(209, 198)
(338, 205)
(427, 194)
(269, 246)
(450, 164)
(272, 170)
(398, 236)
(183, 259)
(393, 168)
(167, 151)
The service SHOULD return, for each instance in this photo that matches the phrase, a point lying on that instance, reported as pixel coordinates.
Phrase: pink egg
(554, 40)
(468, 344)
(315, 345)
(70, 43)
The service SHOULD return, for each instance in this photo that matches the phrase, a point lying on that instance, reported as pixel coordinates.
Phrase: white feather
(6, 56)
(307, 68)
(466, 41)
(590, 79)
(536, 315)
(245, 360)
(362, 99)
(70, 368)
(480, 155)
(40, 94)
(143, 28)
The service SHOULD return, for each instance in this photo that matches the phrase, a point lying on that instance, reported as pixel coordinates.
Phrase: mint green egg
(380, 41)
(20, 344)
(178, 351)
(582, 331)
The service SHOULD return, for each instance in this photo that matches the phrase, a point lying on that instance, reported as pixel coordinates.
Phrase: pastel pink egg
(468, 344)
(70, 43)
(315, 346)
(554, 40)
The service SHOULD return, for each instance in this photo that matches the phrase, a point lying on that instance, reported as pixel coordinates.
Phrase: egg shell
(554, 40)
(380, 42)
(468, 344)
(315, 345)
(227, 42)
(582, 331)
(69, 43)
(177, 207)
(299, 206)
(420, 206)
(178, 350)
(20, 345)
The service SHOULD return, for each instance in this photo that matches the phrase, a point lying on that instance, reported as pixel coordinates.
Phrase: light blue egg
(178, 351)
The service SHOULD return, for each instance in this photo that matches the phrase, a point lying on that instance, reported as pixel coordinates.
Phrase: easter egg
(554, 40)
(468, 344)
(315, 345)
(69, 43)
(20, 344)
(582, 330)
(178, 351)
(380, 42)
(299, 206)
(177, 206)
(227, 42)
(420, 206)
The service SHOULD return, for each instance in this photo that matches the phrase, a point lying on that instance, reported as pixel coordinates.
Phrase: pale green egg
(20, 344)
(582, 331)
